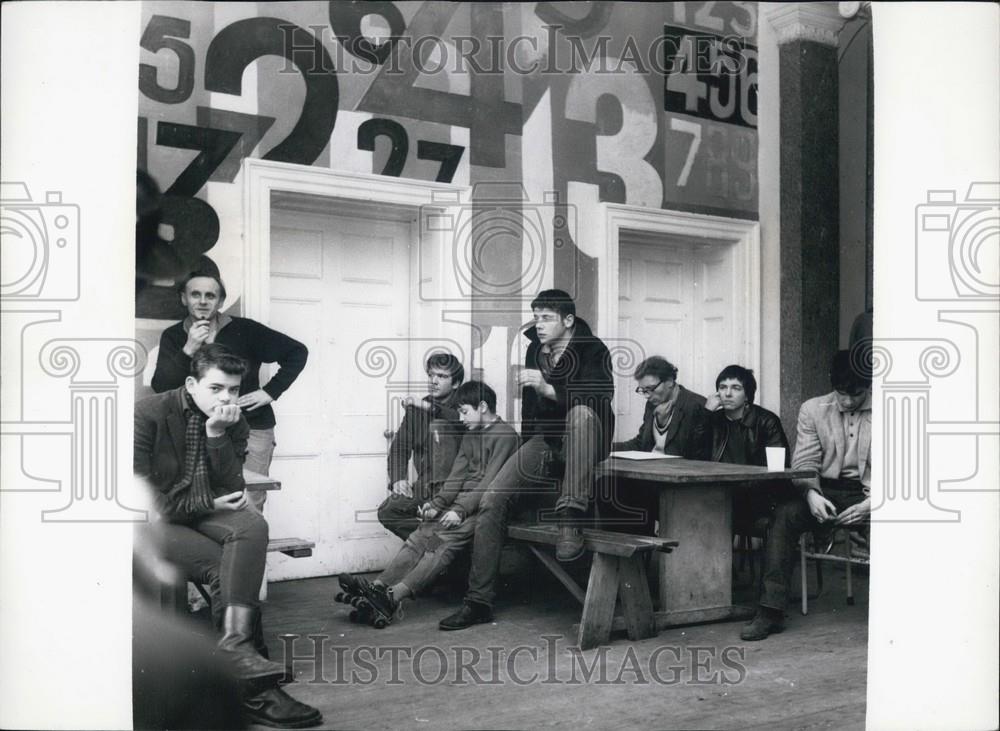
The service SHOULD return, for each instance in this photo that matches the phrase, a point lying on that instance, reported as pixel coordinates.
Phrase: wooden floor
(811, 676)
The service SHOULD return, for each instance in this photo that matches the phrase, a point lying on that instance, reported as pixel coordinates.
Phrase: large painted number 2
(448, 155)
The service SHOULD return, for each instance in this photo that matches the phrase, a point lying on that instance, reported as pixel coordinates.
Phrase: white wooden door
(675, 298)
(335, 282)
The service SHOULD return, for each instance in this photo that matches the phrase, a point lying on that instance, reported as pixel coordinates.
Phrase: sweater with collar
(249, 339)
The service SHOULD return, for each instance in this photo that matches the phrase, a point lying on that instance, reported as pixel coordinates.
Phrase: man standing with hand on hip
(203, 294)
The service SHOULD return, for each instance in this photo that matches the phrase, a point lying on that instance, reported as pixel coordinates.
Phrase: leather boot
(261, 647)
(274, 707)
(237, 645)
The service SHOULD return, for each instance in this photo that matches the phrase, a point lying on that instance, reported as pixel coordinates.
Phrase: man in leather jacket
(738, 431)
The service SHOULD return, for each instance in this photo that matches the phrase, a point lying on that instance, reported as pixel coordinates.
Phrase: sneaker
(471, 613)
(767, 622)
(569, 545)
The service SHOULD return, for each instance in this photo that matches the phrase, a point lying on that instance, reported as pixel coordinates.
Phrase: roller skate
(383, 605)
(351, 595)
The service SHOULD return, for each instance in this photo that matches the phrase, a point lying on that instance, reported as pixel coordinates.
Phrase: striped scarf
(192, 493)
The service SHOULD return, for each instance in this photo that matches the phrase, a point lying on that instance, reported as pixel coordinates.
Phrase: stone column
(809, 198)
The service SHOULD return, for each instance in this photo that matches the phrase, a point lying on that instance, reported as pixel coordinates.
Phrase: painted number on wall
(710, 76)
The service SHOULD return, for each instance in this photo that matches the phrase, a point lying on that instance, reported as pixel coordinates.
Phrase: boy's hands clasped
(448, 519)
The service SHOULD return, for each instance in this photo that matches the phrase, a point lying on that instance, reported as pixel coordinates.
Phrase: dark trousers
(791, 519)
(398, 514)
(524, 475)
(226, 550)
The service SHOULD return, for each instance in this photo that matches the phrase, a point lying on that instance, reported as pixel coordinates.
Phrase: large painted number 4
(693, 129)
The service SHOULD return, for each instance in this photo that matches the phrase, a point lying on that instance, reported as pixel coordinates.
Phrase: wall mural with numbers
(645, 104)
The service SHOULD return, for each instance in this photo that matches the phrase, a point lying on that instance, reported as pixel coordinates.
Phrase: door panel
(335, 282)
(675, 300)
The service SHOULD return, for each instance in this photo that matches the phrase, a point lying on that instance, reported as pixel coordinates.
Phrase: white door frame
(262, 177)
(743, 235)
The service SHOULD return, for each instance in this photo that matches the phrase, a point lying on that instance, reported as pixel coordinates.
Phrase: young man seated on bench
(672, 423)
(566, 415)
(430, 433)
(449, 518)
(190, 444)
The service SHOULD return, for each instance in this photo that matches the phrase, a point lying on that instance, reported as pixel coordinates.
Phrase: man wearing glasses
(674, 416)
(673, 423)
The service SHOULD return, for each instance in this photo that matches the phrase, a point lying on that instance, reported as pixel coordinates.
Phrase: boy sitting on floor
(449, 518)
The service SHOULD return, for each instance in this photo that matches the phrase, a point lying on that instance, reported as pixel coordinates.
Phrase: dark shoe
(767, 622)
(274, 707)
(471, 613)
(569, 546)
(237, 645)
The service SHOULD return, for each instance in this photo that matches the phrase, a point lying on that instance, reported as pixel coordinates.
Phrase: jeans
(792, 518)
(428, 551)
(523, 475)
(260, 450)
(226, 550)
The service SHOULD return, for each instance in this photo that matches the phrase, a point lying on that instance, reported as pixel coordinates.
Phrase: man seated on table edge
(671, 424)
(833, 440)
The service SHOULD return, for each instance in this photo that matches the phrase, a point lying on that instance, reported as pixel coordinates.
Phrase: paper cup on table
(775, 459)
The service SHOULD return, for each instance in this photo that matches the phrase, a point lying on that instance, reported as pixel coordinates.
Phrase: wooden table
(695, 508)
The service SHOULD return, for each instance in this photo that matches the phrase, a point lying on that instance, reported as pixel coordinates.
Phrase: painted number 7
(693, 129)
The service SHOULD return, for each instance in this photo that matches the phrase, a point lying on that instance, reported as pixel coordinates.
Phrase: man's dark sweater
(250, 340)
(582, 377)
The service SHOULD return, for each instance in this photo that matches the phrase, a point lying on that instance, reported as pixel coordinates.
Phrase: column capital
(820, 22)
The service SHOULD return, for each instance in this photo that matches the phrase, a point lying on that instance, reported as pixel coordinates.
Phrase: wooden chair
(848, 557)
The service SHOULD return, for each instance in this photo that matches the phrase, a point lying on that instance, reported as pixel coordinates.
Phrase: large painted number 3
(622, 153)
(241, 43)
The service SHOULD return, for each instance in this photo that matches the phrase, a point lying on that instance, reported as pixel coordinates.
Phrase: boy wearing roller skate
(448, 520)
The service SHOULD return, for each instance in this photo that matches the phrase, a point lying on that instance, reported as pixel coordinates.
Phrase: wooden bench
(294, 547)
(618, 570)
